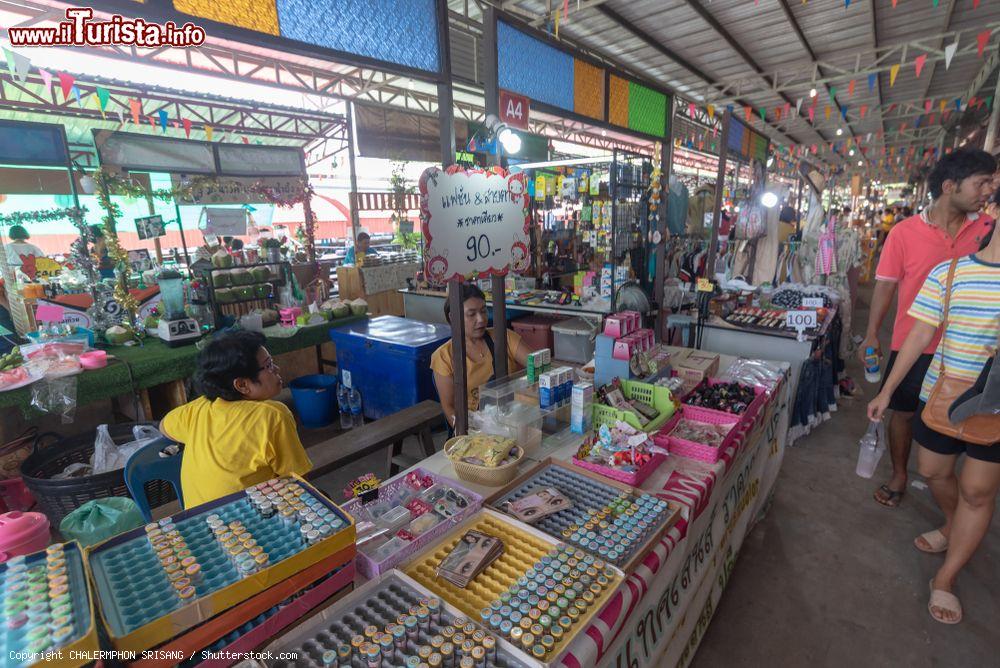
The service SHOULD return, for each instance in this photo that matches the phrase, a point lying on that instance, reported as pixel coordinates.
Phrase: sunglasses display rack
(447, 503)
(392, 622)
(528, 555)
(609, 520)
(228, 551)
(47, 608)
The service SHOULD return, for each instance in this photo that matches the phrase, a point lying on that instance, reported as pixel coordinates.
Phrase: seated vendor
(235, 435)
(478, 353)
(356, 254)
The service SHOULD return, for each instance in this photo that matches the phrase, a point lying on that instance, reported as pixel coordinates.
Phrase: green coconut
(240, 277)
(359, 306)
(221, 279)
(263, 290)
(222, 260)
(260, 274)
(225, 295)
(116, 335)
(244, 292)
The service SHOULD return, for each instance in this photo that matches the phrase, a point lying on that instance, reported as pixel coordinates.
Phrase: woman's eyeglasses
(269, 365)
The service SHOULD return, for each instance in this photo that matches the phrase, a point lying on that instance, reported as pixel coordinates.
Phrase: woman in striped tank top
(967, 500)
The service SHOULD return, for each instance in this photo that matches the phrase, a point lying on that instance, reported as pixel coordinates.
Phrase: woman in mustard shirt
(478, 353)
(235, 435)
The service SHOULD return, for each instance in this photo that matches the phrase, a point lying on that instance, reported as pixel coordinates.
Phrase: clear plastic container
(573, 340)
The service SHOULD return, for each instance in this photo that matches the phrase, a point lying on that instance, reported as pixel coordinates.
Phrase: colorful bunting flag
(927, 106)
(691, 109)
(918, 63)
(208, 132)
(66, 83)
(949, 52)
(46, 79)
(982, 39)
(102, 98)
(17, 64)
(187, 127)
(893, 71)
(711, 111)
(827, 112)
(863, 110)
(136, 108)
(76, 94)
(850, 88)
(872, 79)
(746, 113)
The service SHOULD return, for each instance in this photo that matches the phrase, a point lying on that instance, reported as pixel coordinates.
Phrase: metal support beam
(991, 129)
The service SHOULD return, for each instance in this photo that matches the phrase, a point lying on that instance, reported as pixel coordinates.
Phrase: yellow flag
(827, 112)
(558, 11)
(208, 132)
(893, 71)
(711, 111)
(941, 106)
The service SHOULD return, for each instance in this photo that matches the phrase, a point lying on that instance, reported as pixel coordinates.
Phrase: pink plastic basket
(699, 451)
(753, 410)
(371, 568)
(632, 479)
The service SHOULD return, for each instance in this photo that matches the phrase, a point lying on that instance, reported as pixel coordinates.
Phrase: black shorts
(947, 445)
(906, 398)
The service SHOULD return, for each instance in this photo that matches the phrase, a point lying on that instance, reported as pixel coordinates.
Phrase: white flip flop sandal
(937, 540)
(944, 600)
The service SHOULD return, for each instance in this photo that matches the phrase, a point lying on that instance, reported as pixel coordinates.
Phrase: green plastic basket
(654, 395)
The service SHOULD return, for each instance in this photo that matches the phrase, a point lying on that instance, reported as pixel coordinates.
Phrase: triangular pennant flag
(163, 119)
(46, 78)
(798, 106)
(931, 118)
(711, 111)
(788, 108)
(187, 127)
(982, 39)
(927, 106)
(941, 105)
(176, 123)
(558, 12)
(18, 65)
(989, 102)
(949, 52)
(833, 94)
(843, 112)
(827, 112)
(121, 117)
(850, 88)
(746, 112)
(812, 116)
(245, 140)
(847, 3)
(872, 80)
(975, 4)
(76, 94)
(66, 83)
(936, 2)
(691, 109)
(102, 98)
(893, 71)
(152, 121)
(918, 63)
(863, 110)
(136, 108)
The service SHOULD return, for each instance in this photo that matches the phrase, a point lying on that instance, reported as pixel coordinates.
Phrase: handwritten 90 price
(479, 247)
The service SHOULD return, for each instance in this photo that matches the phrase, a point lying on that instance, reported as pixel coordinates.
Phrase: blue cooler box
(390, 361)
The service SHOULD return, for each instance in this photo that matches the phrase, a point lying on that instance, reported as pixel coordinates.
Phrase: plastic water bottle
(357, 417)
(873, 372)
(870, 451)
(344, 403)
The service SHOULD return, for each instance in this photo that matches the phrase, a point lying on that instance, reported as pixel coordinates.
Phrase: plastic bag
(870, 450)
(754, 372)
(111, 457)
(101, 519)
(56, 396)
(750, 221)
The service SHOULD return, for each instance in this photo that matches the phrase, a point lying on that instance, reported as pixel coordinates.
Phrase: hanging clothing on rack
(700, 204)
(677, 205)
(766, 259)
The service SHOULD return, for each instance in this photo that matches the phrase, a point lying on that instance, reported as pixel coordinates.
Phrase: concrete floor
(831, 578)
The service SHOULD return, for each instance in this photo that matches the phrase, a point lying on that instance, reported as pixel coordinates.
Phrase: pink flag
(691, 109)
(66, 80)
(919, 62)
(187, 127)
(864, 110)
(812, 115)
(46, 78)
(982, 39)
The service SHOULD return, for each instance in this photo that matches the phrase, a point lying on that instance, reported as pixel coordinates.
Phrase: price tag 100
(800, 319)
(812, 302)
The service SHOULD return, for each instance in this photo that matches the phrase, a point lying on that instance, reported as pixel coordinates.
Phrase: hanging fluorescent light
(769, 199)
(851, 152)
(510, 140)
(812, 92)
(840, 131)
(860, 163)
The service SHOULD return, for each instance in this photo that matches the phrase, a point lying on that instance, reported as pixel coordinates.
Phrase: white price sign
(800, 319)
(474, 222)
(812, 302)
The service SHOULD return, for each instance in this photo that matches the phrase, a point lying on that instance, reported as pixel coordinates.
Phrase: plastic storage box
(389, 361)
(536, 330)
(574, 340)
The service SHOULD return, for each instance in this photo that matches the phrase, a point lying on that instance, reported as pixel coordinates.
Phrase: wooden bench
(387, 433)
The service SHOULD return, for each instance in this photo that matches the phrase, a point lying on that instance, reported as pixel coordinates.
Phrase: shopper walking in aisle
(963, 295)
(950, 227)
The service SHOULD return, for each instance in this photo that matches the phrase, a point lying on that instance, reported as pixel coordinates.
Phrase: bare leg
(900, 438)
(939, 471)
(976, 500)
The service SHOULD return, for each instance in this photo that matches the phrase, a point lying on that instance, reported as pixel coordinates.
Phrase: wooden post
(458, 357)
(713, 248)
(499, 327)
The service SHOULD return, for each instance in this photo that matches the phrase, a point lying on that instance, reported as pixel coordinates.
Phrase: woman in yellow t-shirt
(235, 435)
(478, 353)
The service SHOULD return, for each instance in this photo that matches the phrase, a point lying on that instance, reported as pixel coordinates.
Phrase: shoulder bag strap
(947, 308)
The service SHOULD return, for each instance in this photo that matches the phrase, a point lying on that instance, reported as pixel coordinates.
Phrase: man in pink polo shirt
(959, 185)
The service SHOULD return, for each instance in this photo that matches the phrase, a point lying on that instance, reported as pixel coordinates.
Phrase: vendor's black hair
(236, 244)
(468, 291)
(958, 166)
(96, 231)
(18, 233)
(226, 358)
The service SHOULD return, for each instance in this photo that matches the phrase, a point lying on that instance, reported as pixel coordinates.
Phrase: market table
(153, 363)
(660, 613)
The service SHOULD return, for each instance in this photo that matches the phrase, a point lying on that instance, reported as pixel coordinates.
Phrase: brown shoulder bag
(978, 429)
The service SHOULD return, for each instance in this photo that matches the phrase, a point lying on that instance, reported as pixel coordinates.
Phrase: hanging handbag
(978, 429)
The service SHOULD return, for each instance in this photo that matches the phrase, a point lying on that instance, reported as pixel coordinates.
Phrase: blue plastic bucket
(315, 399)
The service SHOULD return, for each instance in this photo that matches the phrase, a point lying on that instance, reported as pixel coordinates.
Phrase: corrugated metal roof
(851, 38)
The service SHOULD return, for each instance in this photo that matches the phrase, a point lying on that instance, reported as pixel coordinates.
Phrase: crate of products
(157, 581)
(48, 611)
(410, 512)
(699, 433)
(607, 519)
(644, 406)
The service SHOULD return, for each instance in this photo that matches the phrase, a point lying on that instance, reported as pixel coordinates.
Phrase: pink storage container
(699, 451)
(94, 359)
(23, 533)
(753, 410)
(536, 330)
(631, 478)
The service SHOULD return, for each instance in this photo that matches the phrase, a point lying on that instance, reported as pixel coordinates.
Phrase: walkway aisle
(831, 578)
